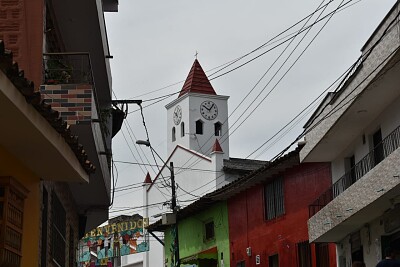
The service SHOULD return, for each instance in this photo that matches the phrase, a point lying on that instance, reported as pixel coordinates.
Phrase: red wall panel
(248, 227)
(21, 28)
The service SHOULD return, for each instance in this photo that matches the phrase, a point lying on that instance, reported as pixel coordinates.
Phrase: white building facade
(198, 147)
(356, 128)
(195, 121)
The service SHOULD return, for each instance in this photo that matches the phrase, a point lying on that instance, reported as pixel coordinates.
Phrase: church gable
(182, 157)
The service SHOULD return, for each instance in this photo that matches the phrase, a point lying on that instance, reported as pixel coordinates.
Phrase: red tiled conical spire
(197, 81)
(147, 180)
(217, 147)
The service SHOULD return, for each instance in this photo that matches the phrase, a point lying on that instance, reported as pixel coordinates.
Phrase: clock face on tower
(208, 110)
(177, 115)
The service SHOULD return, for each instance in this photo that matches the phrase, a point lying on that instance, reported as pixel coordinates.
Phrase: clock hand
(209, 109)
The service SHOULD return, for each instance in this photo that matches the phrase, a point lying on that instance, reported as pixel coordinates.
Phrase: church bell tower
(198, 116)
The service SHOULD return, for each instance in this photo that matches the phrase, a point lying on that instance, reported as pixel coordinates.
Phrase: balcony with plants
(69, 87)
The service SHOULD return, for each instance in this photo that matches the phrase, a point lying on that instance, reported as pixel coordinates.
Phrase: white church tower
(198, 139)
(198, 116)
(198, 147)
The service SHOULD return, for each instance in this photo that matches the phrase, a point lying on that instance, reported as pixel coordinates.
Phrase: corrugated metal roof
(261, 175)
(242, 165)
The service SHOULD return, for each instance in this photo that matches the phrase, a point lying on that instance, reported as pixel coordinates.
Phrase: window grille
(58, 231)
(274, 199)
(12, 198)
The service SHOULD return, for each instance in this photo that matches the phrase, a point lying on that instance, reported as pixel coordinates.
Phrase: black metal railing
(67, 68)
(380, 152)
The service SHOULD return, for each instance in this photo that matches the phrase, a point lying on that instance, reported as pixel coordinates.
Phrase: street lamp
(173, 200)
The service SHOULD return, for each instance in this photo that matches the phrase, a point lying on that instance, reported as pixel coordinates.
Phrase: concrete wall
(370, 235)
(370, 67)
(362, 202)
(387, 121)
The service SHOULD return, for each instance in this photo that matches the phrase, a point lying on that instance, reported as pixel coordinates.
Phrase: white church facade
(198, 147)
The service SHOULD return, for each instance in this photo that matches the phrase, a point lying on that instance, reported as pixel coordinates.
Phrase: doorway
(392, 241)
(378, 147)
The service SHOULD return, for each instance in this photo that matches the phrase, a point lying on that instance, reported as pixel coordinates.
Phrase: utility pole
(174, 210)
(174, 231)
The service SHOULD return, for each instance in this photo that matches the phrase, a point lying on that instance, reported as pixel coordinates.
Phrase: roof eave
(32, 140)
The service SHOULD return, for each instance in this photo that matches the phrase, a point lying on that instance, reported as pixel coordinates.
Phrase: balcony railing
(380, 152)
(67, 68)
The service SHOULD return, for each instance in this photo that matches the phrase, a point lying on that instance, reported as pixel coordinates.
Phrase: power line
(270, 80)
(278, 82)
(308, 107)
(130, 149)
(176, 167)
(176, 83)
(152, 149)
(342, 7)
(301, 30)
(335, 109)
(148, 205)
(130, 133)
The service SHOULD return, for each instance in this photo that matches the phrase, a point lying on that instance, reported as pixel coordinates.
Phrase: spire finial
(196, 54)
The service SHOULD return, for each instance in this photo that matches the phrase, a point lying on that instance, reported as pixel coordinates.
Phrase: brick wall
(11, 25)
(21, 28)
(73, 101)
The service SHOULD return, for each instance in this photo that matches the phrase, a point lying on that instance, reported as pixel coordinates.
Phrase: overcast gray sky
(154, 42)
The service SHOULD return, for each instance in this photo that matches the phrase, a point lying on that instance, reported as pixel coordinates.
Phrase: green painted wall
(191, 234)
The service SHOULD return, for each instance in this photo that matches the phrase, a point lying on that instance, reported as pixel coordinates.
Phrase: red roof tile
(197, 81)
(217, 147)
(26, 88)
(147, 180)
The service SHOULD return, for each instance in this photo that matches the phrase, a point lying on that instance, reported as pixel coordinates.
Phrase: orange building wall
(21, 28)
(10, 166)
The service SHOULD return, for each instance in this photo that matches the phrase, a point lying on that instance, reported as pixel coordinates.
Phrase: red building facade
(268, 222)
